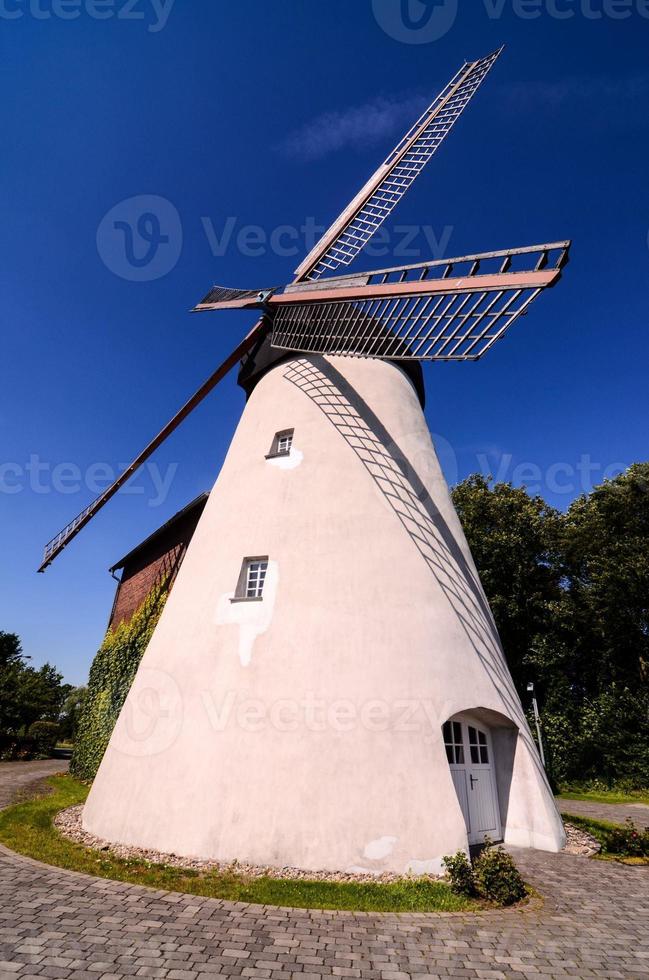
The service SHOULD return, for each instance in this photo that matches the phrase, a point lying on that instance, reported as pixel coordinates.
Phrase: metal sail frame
(386, 313)
(450, 309)
(365, 214)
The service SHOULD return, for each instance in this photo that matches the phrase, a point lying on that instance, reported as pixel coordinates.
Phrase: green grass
(27, 828)
(605, 796)
(600, 829)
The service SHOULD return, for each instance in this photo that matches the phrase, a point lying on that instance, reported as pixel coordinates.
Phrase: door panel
(459, 781)
(470, 756)
(482, 808)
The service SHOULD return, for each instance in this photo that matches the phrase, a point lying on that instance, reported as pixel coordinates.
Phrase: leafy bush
(493, 876)
(16, 747)
(45, 735)
(497, 878)
(627, 840)
(459, 870)
(111, 676)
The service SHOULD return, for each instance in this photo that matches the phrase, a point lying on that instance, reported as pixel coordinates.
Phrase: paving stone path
(53, 923)
(609, 812)
(15, 776)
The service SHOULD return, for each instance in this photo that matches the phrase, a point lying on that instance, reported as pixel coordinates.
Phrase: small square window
(252, 577)
(282, 443)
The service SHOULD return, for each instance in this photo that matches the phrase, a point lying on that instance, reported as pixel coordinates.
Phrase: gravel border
(68, 824)
(579, 842)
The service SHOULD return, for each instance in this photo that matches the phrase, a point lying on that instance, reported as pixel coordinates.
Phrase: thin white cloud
(356, 127)
(612, 101)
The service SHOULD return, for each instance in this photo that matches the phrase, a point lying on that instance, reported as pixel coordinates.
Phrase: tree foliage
(27, 695)
(71, 712)
(570, 596)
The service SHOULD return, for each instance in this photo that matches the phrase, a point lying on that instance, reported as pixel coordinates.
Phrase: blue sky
(245, 117)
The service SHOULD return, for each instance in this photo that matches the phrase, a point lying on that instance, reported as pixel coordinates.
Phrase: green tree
(514, 539)
(26, 694)
(71, 710)
(570, 596)
(12, 665)
(606, 554)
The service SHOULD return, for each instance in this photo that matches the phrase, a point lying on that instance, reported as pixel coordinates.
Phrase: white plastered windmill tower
(326, 688)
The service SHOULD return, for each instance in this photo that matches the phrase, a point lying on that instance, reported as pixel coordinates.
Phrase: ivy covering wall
(111, 676)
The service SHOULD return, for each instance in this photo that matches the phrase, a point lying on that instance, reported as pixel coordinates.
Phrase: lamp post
(537, 719)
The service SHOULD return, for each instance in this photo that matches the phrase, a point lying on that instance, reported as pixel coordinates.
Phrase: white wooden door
(470, 756)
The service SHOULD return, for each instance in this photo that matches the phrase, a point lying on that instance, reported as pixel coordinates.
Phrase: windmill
(326, 687)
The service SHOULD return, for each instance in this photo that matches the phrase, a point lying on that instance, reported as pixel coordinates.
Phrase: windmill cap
(263, 357)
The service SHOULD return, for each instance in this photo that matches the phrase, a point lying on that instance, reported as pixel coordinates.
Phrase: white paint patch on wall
(252, 618)
(289, 462)
(379, 849)
(432, 866)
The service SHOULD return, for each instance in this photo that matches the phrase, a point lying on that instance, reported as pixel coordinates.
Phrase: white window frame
(252, 579)
(284, 435)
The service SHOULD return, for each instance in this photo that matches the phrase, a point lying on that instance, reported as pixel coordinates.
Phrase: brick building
(154, 561)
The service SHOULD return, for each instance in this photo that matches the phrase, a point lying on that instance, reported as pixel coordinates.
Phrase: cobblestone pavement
(53, 923)
(611, 812)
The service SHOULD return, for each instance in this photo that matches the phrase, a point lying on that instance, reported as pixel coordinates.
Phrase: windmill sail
(70, 531)
(443, 310)
(378, 198)
(225, 298)
(405, 314)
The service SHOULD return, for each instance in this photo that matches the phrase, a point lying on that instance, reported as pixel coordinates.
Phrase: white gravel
(579, 842)
(68, 823)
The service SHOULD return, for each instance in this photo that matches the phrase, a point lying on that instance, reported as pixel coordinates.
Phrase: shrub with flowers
(627, 840)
